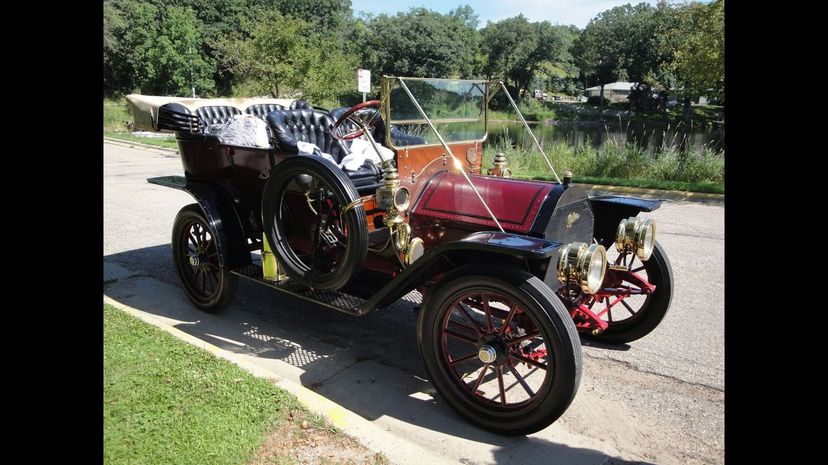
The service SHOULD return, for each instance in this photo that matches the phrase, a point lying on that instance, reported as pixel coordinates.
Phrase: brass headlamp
(585, 264)
(636, 235)
(396, 199)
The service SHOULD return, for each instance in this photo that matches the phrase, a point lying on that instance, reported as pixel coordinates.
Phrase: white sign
(364, 80)
(538, 93)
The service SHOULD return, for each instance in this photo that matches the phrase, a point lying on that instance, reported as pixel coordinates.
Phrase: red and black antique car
(354, 208)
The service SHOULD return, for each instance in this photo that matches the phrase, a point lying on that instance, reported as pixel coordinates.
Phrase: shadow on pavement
(336, 366)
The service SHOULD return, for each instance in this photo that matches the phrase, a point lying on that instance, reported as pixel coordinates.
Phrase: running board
(339, 301)
(176, 182)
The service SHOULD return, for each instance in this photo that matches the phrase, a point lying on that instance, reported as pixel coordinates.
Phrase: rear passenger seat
(217, 114)
(260, 110)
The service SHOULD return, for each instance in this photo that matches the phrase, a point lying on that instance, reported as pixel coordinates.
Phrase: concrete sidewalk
(387, 409)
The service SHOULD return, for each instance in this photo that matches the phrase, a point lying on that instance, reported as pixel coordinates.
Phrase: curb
(368, 434)
(129, 143)
(702, 197)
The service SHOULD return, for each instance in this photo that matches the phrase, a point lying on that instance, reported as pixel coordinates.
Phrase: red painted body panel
(515, 203)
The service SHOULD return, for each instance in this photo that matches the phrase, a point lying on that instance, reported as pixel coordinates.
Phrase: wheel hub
(492, 350)
(487, 354)
(194, 260)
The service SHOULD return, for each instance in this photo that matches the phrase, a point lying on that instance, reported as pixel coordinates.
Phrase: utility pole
(192, 86)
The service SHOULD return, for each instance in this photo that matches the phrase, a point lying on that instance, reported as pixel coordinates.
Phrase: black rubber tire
(558, 330)
(343, 190)
(652, 311)
(222, 293)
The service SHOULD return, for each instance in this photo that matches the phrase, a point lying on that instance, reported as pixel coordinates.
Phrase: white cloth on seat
(306, 148)
(243, 131)
(362, 150)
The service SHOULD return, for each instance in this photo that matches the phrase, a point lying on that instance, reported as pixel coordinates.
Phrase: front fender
(609, 210)
(485, 248)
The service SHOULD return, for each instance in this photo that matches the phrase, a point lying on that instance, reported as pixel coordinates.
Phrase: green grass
(168, 142)
(168, 402)
(116, 115)
(532, 110)
(615, 163)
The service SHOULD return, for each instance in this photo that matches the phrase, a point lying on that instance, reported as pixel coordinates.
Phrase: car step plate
(340, 301)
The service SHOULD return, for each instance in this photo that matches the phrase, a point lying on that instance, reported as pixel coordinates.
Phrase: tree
(509, 43)
(329, 16)
(171, 62)
(698, 59)
(519, 51)
(115, 76)
(618, 44)
(288, 58)
(419, 42)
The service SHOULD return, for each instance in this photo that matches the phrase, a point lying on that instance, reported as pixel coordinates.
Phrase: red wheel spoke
(463, 358)
(609, 311)
(528, 360)
(508, 319)
(488, 311)
(499, 371)
(637, 269)
(464, 311)
(523, 338)
(480, 378)
(522, 381)
(462, 337)
(462, 326)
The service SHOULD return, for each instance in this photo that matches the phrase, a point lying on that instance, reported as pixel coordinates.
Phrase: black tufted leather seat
(260, 110)
(217, 114)
(300, 105)
(176, 117)
(291, 126)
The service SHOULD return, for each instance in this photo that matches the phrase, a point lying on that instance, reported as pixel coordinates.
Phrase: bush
(535, 110)
(117, 115)
(596, 100)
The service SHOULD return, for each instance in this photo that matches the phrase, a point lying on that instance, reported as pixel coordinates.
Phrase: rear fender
(609, 210)
(221, 213)
(481, 248)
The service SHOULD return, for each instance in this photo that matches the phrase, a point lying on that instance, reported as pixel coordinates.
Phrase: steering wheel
(366, 120)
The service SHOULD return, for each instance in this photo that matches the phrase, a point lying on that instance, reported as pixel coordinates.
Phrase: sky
(577, 12)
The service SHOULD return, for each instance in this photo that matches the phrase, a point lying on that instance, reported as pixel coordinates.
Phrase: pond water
(649, 136)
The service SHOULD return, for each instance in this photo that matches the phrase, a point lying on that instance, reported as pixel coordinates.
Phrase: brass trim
(353, 205)
(416, 249)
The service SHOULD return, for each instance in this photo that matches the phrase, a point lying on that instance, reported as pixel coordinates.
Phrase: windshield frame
(389, 83)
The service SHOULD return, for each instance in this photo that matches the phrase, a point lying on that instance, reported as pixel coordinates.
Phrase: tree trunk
(601, 95)
(687, 109)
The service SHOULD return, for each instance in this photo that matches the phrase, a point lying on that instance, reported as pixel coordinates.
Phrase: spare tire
(316, 243)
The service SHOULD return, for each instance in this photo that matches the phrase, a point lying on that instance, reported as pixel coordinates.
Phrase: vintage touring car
(355, 207)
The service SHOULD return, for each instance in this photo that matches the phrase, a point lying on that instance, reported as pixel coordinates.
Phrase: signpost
(363, 82)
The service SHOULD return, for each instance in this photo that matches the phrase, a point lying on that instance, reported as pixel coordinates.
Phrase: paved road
(660, 398)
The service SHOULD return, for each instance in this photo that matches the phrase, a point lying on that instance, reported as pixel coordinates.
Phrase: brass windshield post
(526, 125)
